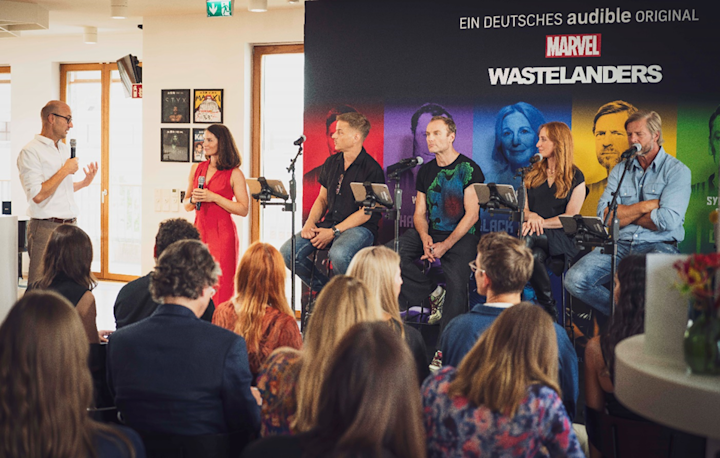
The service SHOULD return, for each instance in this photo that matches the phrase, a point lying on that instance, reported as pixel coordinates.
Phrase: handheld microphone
(536, 158)
(201, 184)
(73, 144)
(630, 153)
(300, 140)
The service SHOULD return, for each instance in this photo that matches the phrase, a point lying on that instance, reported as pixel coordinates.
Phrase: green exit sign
(218, 9)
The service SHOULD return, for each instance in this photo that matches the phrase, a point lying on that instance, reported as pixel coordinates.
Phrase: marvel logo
(585, 45)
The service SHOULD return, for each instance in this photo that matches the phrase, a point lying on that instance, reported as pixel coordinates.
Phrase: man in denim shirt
(652, 203)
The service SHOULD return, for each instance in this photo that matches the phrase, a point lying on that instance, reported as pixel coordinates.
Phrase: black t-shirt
(341, 202)
(444, 189)
(542, 200)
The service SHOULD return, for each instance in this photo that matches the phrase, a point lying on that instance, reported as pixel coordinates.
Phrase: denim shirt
(666, 179)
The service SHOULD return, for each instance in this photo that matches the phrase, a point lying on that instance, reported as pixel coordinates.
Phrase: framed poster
(176, 106)
(208, 106)
(175, 145)
(198, 154)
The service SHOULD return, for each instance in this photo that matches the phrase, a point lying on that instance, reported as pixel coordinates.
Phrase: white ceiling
(71, 16)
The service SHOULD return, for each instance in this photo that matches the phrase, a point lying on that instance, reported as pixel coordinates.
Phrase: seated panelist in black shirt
(555, 187)
(336, 221)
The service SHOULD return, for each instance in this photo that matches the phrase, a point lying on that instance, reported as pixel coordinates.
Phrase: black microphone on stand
(300, 140)
(405, 164)
(536, 158)
(201, 184)
(630, 153)
(73, 144)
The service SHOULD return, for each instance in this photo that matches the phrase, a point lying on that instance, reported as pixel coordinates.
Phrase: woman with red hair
(555, 187)
(259, 311)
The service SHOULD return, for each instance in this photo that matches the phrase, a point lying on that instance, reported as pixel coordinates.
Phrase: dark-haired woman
(46, 387)
(627, 321)
(223, 181)
(555, 187)
(370, 404)
(67, 270)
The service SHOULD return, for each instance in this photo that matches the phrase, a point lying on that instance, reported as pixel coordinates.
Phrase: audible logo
(586, 45)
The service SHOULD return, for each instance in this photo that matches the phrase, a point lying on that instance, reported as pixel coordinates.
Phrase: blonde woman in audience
(259, 311)
(379, 266)
(503, 400)
(369, 407)
(66, 269)
(290, 381)
(46, 387)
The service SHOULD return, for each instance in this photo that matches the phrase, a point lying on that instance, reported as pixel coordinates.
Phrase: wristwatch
(336, 232)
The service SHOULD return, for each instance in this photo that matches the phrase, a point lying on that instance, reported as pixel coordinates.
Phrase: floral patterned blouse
(276, 382)
(455, 427)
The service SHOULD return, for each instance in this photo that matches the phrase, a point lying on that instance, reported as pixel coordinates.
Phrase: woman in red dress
(223, 181)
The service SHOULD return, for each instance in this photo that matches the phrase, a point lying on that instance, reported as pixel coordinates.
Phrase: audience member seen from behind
(504, 399)
(627, 321)
(46, 387)
(370, 403)
(290, 381)
(259, 311)
(66, 270)
(502, 268)
(380, 266)
(134, 301)
(173, 373)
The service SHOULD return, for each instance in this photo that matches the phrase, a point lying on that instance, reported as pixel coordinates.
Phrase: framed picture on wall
(208, 106)
(176, 105)
(198, 155)
(175, 145)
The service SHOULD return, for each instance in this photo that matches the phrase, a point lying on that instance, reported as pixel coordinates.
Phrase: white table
(663, 391)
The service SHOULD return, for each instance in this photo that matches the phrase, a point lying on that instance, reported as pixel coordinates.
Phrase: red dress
(217, 229)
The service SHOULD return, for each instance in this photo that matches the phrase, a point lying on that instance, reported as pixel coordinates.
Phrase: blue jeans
(586, 280)
(341, 252)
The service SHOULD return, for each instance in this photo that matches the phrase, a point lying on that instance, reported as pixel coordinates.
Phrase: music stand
(498, 198)
(587, 231)
(264, 191)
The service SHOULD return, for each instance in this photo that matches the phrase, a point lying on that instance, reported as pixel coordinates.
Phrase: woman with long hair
(223, 192)
(370, 405)
(555, 187)
(67, 270)
(259, 311)
(504, 398)
(290, 381)
(46, 387)
(380, 266)
(627, 321)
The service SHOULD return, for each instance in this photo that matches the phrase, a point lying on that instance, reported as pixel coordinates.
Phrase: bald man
(46, 171)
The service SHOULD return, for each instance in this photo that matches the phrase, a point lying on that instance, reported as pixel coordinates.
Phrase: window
(108, 129)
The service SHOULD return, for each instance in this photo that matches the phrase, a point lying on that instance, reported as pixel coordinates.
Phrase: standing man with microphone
(46, 167)
(651, 209)
(336, 221)
(446, 210)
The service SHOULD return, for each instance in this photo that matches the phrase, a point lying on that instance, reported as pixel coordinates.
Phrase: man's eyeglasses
(66, 118)
(474, 267)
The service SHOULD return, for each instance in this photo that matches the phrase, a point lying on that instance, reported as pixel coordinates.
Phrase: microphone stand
(291, 207)
(614, 230)
(521, 172)
(395, 176)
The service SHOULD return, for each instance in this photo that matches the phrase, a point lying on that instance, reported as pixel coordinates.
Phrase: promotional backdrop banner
(501, 70)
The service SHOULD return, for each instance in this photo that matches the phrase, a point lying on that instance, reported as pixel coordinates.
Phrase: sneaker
(436, 363)
(436, 306)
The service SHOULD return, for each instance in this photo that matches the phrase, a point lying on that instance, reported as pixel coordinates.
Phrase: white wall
(196, 52)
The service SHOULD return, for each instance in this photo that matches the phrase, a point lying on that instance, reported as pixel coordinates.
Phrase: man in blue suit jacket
(502, 268)
(173, 373)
